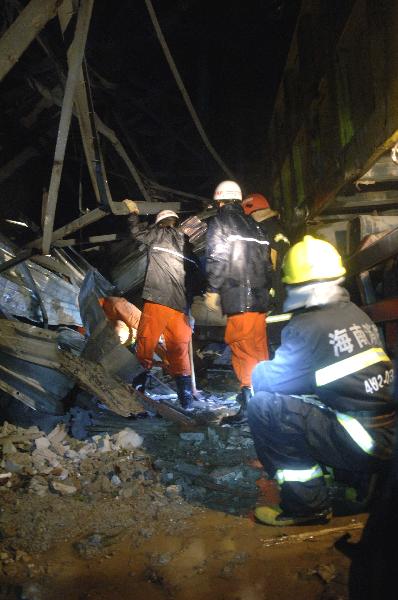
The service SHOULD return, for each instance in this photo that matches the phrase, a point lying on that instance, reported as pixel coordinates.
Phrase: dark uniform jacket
(332, 351)
(280, 243)
(171, 265)
(238, 261)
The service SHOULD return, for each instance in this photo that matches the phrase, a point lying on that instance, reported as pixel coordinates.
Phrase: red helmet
(254, 202)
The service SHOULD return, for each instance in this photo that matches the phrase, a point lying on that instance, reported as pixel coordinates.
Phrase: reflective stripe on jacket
(238, 262)
(334, 352)
(171, 268)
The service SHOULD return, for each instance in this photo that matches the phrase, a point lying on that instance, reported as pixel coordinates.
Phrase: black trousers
(291, 433)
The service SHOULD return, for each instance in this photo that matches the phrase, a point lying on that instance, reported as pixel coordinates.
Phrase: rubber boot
(273, 515)
(184, 391)
(241, 416)
(140, 381)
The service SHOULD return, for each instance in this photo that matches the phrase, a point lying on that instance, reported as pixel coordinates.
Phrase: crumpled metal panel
(103, 346)
(128, 267)
(30, 364)
(41, 388)
(94, 286)
(29, 343)
(60, 297)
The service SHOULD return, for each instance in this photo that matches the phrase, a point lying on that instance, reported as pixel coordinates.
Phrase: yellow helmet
(311, 260)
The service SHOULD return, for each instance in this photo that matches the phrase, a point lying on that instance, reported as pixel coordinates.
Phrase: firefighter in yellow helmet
(325, 400)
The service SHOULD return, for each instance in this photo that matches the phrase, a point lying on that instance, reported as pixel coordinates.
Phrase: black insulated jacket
(238, 261)
(172, 268)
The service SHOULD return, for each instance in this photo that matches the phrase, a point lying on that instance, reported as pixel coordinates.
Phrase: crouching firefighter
(167, 294)
(239, 274)
(326, 399)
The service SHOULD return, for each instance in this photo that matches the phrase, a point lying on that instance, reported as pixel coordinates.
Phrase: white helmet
(227, 190)
(165, 214)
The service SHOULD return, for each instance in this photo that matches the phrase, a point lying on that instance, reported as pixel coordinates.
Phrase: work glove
(212, 301)
(131, 206)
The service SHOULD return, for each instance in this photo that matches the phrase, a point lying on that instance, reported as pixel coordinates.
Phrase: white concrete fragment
(43, 456)
(115, 480)
(63, 488)
(104, 444)
(127, 439)
(58, 434)
(38, 486)
(42, 443)
(9, 448)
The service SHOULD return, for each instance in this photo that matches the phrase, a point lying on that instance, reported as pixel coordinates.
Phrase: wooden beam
(92, 239)
(80, 101)
(23, 31)
(146, 208)
(90, 217)
(77, 52)
(18, 161)
(111, 136)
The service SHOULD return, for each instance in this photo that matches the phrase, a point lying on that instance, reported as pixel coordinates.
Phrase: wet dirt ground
(182, 552)
(176, 523)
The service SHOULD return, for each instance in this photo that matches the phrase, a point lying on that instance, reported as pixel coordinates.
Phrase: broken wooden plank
(92, 377)
(165, 410)
(76, 57)
(23, 31)
(310, 536)
(117, 396)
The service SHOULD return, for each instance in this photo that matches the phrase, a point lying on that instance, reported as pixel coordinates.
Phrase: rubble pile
(212, 467)
(40, 463)
(117, 479)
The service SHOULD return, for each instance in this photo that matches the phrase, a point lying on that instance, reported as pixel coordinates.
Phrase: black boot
(184, 391)
(240, 417)
(140, 381)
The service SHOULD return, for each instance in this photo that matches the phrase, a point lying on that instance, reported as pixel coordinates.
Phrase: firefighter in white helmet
(239, 275)
(169, 279)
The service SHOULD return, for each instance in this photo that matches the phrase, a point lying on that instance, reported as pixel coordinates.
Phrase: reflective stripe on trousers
(353, 427)
(357, 432)
(300, 475)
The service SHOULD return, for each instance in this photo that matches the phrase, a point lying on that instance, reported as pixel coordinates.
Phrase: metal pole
(193, 377)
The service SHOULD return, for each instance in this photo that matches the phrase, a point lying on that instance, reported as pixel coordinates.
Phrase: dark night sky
(230, 56)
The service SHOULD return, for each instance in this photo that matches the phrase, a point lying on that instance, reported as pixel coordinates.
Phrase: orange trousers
(122, 312)
(156, 320)
(246, 335)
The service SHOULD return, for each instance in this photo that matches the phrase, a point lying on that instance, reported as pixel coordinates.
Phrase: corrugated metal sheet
(103, 346)
(59, 295)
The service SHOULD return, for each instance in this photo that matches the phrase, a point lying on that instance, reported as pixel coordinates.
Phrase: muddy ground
(168, 516)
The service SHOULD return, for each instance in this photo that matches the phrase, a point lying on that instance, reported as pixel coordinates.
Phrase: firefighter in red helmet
(259, 209)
